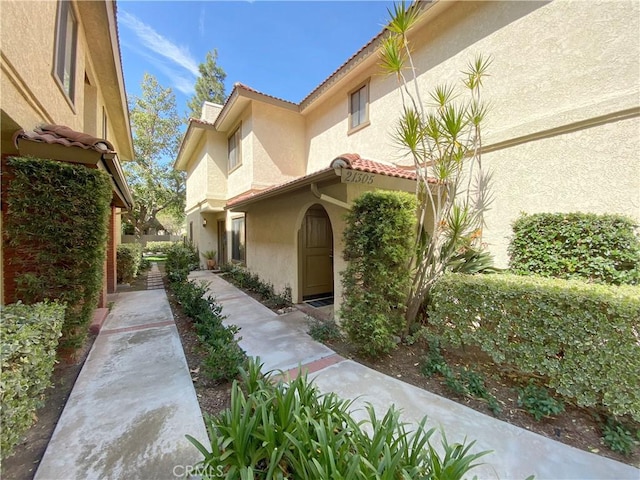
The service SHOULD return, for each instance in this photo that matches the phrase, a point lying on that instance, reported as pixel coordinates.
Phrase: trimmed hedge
(378, 241)
(29, 337)
(181, 259)
(56, 230)
(158, 247)
(582, 337)
(598, 248)
(128, 260)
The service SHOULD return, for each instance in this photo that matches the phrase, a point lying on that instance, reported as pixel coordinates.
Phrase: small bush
(537, 401)
(128, 261)
(581, 337)
(322, 331)
(181, 259)
(597, 248)
(29, 337)
(376, 281)
(618, 438)
(292, 431)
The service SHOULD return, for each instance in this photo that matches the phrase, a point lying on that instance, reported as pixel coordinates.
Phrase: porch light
(204, 222)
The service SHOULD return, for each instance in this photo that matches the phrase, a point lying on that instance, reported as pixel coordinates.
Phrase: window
(233, 144)
(65, 54)
(237, 239)
(359, 107)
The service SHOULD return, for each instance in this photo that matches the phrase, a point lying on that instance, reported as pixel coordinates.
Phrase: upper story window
(359, 107)
(233, 144)
(65, 54)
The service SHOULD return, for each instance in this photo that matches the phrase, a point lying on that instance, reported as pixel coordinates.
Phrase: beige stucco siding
(197, 177)
(278, 145)
(28, 67)
(241, 178)
(579, 171)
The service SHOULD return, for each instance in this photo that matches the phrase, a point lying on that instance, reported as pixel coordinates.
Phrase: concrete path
(132, 403)
(281, 343)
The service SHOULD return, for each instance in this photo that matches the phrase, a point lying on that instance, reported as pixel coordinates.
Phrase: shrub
(618, 437)
(598, 248)
(537, 401)
(128, 261)
(159, 247)
(181, 259)
(223, 354)
(29, 337)
(243, 278)
(321, 331)
(582, 337)
(377, 246)
(56, 231)
(292, 431)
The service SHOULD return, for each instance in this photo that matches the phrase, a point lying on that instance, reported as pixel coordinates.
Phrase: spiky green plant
(277, 431)
(442, 137)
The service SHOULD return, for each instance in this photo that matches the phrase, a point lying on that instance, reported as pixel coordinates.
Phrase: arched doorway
(316, 254)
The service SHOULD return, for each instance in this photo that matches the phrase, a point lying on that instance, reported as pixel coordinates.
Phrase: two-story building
(63, 98)
(269, 181)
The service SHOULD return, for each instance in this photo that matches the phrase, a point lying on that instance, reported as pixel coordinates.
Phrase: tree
(444, 141)
(156, 187)
(209, 85)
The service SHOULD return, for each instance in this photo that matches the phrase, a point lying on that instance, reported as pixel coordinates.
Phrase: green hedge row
(583, 338)
(28, 340)
(181, 259)
(128, 260)
(598, 248)
(159, 247)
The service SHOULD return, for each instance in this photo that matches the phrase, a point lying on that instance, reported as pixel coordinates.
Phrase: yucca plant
(277, 431)
(442, 137)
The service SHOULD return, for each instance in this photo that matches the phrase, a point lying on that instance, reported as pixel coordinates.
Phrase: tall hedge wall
(582, 337)
(56, 229)
(378, 241)
(598, 248)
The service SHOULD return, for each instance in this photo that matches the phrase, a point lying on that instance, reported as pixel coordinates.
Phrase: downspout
(327, 198)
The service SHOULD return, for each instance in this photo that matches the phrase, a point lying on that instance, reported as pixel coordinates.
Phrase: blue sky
(282, 48)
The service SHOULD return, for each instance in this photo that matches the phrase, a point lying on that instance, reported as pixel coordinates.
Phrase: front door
(317, 254)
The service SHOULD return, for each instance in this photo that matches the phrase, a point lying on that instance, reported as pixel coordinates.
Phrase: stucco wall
(563, 82)
(278, 145)
(241, 179)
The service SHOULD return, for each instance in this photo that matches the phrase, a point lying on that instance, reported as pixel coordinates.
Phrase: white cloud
(201, 22)
(158, 44)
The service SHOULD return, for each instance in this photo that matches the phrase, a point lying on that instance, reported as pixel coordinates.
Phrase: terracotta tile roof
(59, 134)
(351, 161)
(201, 122)
(249, 89)
(355, 162)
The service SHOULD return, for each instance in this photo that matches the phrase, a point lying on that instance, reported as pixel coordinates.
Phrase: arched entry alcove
(316, 254)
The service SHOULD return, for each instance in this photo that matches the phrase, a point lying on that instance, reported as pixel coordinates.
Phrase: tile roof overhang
(59, 142)
(351, 161)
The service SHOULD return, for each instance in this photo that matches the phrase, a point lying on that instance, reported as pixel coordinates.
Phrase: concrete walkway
(282, 343)
(132, 403)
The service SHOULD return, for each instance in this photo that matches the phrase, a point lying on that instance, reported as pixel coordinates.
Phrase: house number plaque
(351, 176)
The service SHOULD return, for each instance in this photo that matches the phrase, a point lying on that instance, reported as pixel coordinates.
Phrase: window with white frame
(359, 107)
(234, 150)
(238, 239)
(65, 53)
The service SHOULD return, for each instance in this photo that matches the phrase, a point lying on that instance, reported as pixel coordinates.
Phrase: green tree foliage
(209, 85)
(442, 137)
(56, 229)
(156, 187)
(376, 279)
(597, 248)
